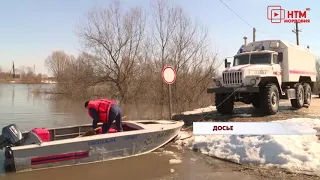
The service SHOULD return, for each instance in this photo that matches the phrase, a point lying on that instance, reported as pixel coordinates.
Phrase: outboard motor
(11, 136)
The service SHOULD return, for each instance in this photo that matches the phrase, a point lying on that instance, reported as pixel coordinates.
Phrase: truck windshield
(241, 60)
(264, 58)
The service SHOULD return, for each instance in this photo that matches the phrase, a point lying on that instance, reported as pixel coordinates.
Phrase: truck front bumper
(221, 90)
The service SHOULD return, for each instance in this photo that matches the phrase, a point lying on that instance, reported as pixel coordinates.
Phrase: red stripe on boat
(59, 157)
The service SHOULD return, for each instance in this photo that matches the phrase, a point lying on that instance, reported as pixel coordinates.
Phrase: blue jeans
(114, 114)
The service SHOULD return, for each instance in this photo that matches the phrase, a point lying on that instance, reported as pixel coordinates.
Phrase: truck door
(277, 71)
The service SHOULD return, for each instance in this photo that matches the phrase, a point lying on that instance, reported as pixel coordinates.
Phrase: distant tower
(34, 69)
(13, 71)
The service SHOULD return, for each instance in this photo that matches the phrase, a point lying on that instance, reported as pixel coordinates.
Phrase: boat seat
(31, 138)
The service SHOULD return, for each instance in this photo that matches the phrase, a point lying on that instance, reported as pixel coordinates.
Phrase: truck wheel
(227, 106)
(270, 99)
(298, 102)
(307, 94)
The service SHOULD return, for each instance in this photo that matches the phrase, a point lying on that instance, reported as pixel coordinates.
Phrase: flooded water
(28, 111)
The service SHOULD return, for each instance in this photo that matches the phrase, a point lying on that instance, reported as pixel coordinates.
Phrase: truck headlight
(217, 81)
(253, 81)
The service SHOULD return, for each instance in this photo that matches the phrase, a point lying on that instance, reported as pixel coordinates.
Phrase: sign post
(169, 76)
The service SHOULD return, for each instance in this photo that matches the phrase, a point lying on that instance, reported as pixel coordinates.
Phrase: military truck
(264, 72)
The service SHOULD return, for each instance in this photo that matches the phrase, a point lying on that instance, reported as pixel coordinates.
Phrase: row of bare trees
(124, 52)
(23, 74)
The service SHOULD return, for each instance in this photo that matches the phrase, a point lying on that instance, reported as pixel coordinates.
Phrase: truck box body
(297, 61)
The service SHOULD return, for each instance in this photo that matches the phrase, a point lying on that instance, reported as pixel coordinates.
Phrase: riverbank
(264, 157)
(294, 154)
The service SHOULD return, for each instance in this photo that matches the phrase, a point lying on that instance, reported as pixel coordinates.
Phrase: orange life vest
(102, 106)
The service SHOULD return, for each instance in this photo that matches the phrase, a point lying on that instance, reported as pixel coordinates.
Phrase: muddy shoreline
(250, 171)
(247, 113)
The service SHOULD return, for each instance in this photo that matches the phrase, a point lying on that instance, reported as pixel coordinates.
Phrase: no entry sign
(168, 74)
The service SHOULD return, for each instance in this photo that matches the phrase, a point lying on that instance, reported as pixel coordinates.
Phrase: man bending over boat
(105, 111)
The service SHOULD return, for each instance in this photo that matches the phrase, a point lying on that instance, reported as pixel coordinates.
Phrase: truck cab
(249, 68)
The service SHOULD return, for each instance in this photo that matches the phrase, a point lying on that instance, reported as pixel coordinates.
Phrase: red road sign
(168, 74)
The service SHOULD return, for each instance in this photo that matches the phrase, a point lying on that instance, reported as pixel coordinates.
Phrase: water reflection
(29, 110)
(13, 90)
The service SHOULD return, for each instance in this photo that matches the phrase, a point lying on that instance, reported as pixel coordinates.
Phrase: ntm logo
(276, 14)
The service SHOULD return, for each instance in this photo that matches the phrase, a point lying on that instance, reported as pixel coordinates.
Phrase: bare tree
(25, 70)
(57, 63)
(30, 71)
(183, 43)
(27, 75)
(77, 76)
(165, 18)
(115, 39)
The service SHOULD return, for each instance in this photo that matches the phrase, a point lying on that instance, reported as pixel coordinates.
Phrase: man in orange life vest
(105, 111)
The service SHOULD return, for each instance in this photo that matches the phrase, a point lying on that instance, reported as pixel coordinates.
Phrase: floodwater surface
(20, 107)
